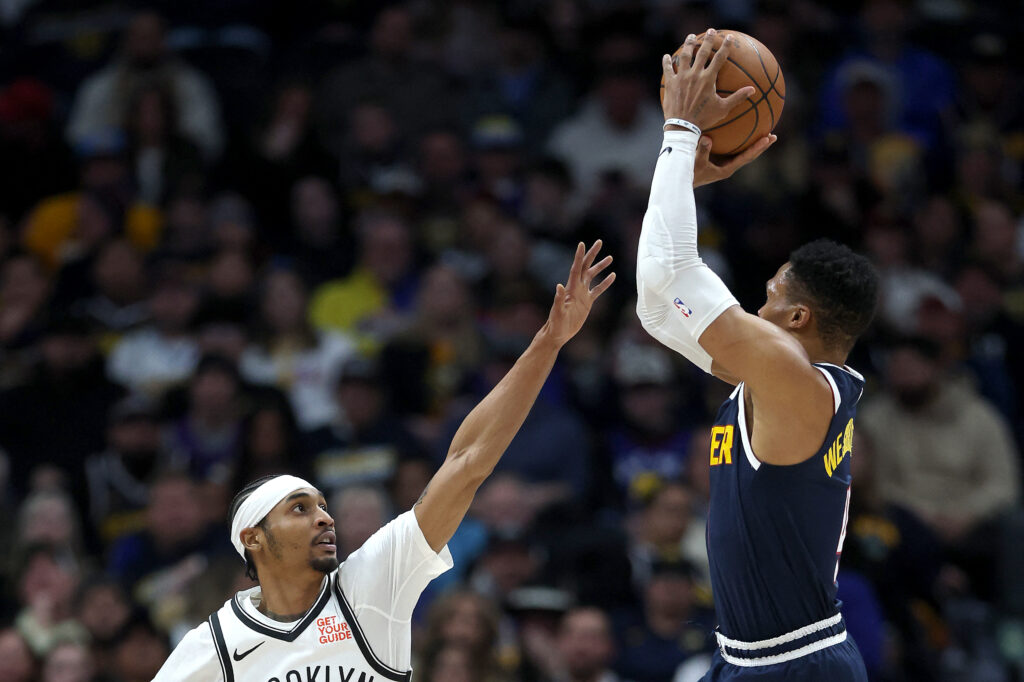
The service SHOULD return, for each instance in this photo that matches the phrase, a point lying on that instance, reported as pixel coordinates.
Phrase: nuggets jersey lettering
(775, 533)
(326, 645)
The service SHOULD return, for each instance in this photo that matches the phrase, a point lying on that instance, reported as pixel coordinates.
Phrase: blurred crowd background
(240, 237)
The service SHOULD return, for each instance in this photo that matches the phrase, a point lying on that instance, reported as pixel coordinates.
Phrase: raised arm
(489, 428)
(685, 305)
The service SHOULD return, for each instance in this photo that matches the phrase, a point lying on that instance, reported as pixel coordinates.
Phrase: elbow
(469, 466)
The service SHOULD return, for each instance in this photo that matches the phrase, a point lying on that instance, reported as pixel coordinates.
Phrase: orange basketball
(750, 63)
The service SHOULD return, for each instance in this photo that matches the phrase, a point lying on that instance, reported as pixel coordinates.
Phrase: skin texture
(788, 401)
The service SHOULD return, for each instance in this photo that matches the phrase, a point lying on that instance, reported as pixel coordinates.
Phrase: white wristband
(682, 124)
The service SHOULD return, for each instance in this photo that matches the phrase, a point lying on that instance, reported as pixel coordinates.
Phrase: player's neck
(287, 597)
(818, 352)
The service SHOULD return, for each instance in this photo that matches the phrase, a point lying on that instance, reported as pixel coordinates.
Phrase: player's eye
(299, 507)
(323, 506)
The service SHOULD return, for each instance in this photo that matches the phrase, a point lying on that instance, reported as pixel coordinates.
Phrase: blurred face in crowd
(139, 655)
(172, 305)
(68, 662)
(466, 624)
(667, 517)
(315, 210)
(119, 272)
(937, 226)
(64, 353)
(48, 518)
(373, 128)
(912, 376)
(284, 302)
(648, 407)
(503, 504)
(173, 516)
(16, 664)
(364, 511)
(103, 611)
(136, 438)
(452, 664)
(442, 158)
(995, 232)
(444, 298)
(411, 478)
(230, 274)
(585, 642)
(268, 435)
(144, 45)
(23, 282)
(361, 401)
(392, 34)
(48, 584)
(387, 249)
(213, 395)
(509, 252)
(669, 596)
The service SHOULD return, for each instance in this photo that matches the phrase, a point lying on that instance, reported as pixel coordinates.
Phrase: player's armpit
(792, 400)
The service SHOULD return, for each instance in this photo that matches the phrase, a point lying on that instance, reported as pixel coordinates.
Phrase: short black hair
(236, 502)
(840, 286)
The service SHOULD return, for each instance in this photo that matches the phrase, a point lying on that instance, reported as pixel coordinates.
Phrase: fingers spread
(577, 266)
(596, 269)
(602, 287)
(666, 66)
(592, 254)
(689, 45)
(721, 55)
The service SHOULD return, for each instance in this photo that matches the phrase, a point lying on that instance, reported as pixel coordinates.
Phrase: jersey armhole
(837, 398)
(222, 648)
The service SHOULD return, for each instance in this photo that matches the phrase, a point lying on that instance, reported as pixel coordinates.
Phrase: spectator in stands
(69, 662)
(102, 606)
(103, 98)
(118, 477)
(365, 510)
(382, 76)
(58, 417)
(318, 239)
(121, 289)
(24, 293)
(162, 353)
(288, 352)
(667, 630)
(618, 114)
(381, 287)
(468, 623)
(271, 441)
(47, 578)
(160, 563)
(665, 528)
(140, 651)
(207, 439)
(48, 518)
(943, 453)
(584, 647)
(163, 159)
(365, 443)
(647, 444)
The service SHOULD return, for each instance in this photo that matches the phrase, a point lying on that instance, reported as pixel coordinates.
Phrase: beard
(324, 564)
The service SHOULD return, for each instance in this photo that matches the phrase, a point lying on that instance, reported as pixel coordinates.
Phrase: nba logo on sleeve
(682, 307)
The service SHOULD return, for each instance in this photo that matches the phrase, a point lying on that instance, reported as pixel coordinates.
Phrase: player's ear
(799, 316)
(252, 539)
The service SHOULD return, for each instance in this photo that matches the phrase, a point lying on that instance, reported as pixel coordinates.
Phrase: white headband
(259, 503)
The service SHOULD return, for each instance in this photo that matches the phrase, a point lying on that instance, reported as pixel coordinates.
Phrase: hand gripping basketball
(690, 85)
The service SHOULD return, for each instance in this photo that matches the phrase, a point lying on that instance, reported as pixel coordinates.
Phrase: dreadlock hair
(236, 502)
(840, 287)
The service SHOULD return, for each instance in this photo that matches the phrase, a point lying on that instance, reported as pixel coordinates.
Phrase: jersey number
(842, 534)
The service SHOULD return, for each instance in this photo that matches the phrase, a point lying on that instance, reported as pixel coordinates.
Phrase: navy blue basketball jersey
(775, 533)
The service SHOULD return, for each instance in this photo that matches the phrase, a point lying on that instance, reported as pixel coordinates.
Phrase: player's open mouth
(328, 541)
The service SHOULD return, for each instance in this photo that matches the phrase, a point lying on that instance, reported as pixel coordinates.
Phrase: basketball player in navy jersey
(313, 619)
(781, 445)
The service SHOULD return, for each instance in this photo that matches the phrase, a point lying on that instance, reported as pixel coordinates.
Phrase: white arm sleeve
(382, 581)
(195, 658)
(678, 296)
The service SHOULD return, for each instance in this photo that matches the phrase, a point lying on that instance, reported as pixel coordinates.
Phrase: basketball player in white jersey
(311, 619)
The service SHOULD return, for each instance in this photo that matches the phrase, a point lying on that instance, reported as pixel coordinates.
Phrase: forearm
(486, 432)
(678, 295)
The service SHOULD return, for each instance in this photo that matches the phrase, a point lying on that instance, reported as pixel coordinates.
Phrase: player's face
(776, 308)
(300, 533)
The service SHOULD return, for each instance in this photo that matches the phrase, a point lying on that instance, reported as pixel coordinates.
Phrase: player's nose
(324, 519)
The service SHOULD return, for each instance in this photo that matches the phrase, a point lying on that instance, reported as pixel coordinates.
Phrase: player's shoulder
(194, 658)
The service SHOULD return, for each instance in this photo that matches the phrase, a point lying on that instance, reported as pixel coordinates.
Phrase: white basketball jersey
(326, 645)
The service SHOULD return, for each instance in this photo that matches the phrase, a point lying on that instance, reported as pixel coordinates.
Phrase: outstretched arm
(490, 427)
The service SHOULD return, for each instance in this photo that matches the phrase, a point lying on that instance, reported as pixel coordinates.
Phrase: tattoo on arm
(422, 495)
